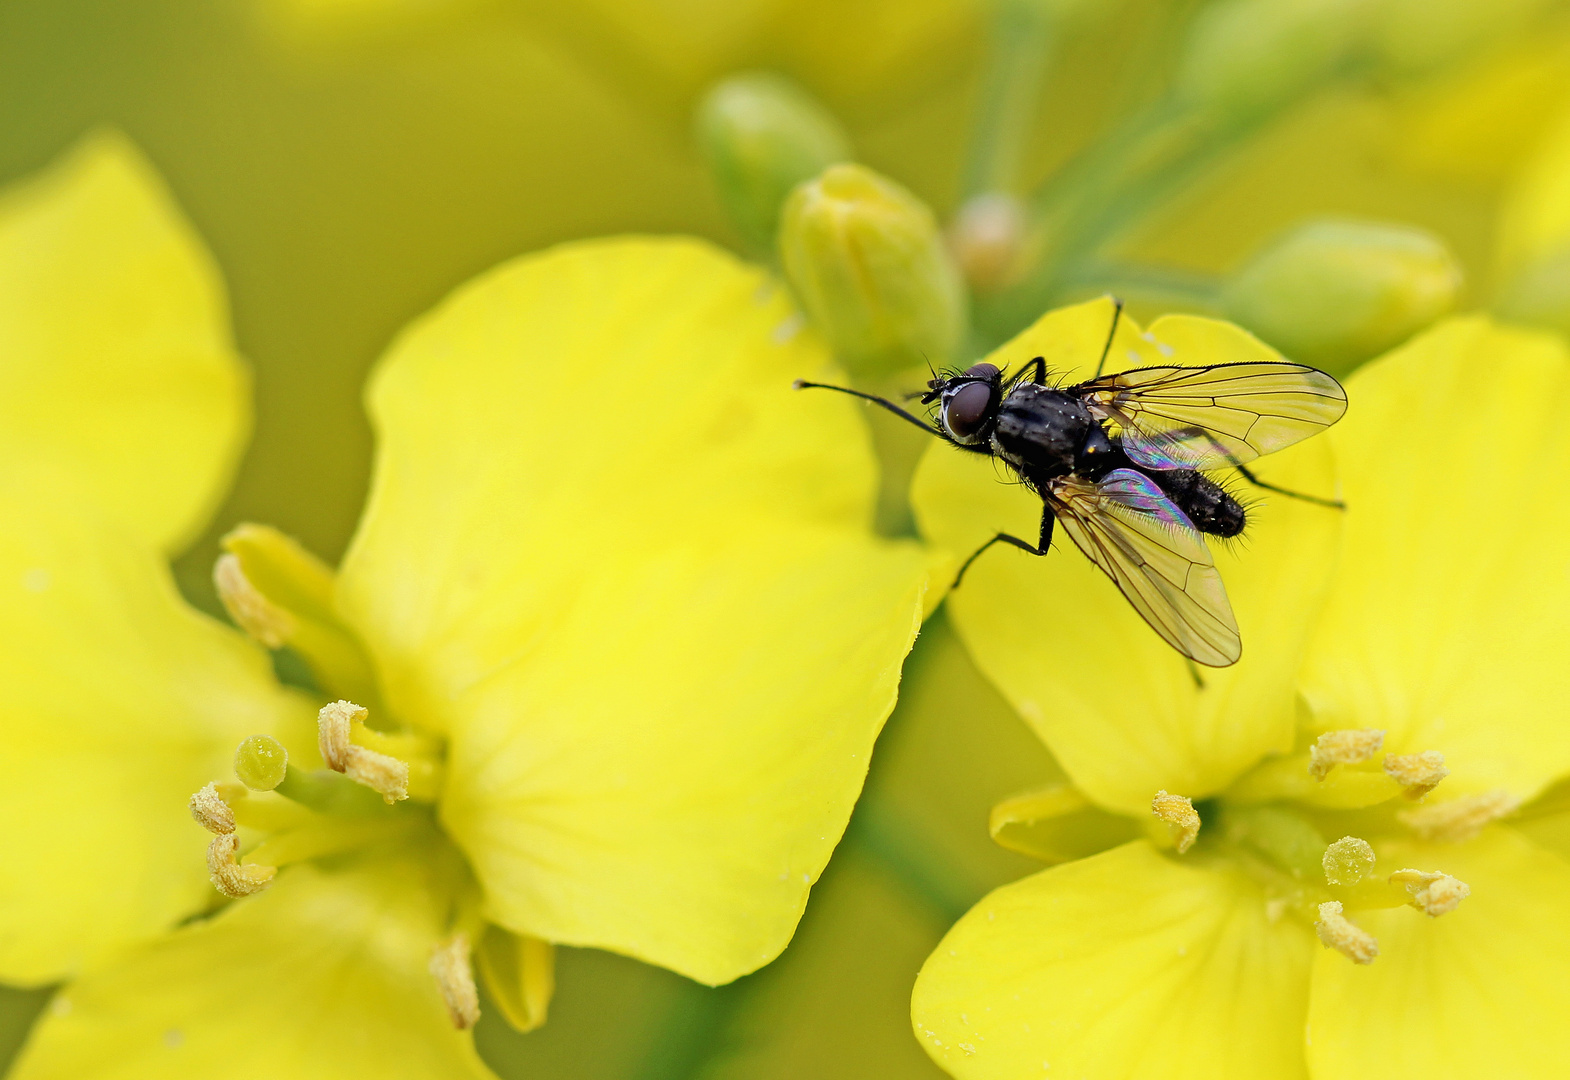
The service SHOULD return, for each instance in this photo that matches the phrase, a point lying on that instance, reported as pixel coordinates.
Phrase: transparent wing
(1156, 557)
(1213, 417)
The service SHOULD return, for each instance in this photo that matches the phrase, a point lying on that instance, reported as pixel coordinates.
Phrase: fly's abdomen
(1206, 502)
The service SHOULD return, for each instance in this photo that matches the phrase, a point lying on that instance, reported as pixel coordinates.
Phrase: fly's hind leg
(1040, 549)
(1336, 504)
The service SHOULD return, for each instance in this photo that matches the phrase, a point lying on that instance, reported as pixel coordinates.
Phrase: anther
(1181, 818)
(1418, 774)
(453, 968)
(226, 873)
(1339, 933)
(258, 616)
(1350, 746)
(380, 772)
(1348, 861)
(1432, 893)
(1459, 819)
(211, 812)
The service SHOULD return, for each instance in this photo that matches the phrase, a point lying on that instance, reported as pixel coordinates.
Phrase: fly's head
(968, 403)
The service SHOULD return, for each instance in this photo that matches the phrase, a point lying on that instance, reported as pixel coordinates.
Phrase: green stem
(1018, 52)
(332, 793)
(1161, 287)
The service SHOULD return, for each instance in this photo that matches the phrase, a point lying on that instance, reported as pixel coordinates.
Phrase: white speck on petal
(60, 1006)
(787, 329)
(1164, 349)
(35, 580)
(174, 1038)
(1133, 356)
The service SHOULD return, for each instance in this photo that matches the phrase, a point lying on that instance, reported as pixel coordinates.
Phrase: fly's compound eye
(982, 371)
(965, 411)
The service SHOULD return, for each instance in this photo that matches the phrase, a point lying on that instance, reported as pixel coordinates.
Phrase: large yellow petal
(323, 976)
(1476, 992)
(1449, 620)
(120, 702)
(628, 570)
(1118, 707)
(1123, 966)
(116, 365)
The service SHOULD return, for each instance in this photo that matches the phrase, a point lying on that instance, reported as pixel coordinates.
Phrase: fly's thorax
(1042, 430)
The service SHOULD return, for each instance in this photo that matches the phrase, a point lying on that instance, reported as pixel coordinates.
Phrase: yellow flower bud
(1247, 57)
(872, 272)
(1333, 293)
(762, 135)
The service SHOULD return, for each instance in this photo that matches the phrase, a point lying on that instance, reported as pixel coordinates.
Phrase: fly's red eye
(966, 411)
(982, 371)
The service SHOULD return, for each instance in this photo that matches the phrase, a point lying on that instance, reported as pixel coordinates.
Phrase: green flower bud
(1334, 293)
(1244, 58)
(872, 272)
(1540, 294)
(762, 135)
(261, 762)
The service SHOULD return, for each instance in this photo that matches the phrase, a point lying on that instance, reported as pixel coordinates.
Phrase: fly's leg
(1117, 313)
(1039, 378)
(1193, 670)
(1335, 504)
(1040, 549)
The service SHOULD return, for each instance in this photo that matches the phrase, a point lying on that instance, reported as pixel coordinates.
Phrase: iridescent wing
(1155, 556)
(1213, 417)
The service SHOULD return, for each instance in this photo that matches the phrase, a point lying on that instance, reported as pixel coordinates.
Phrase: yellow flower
(631, 639)
(1401, 691)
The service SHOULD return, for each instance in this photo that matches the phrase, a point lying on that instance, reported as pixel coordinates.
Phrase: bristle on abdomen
(1206, 502)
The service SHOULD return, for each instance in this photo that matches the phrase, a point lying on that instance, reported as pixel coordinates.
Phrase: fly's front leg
(1041, 548)
(1336, 504)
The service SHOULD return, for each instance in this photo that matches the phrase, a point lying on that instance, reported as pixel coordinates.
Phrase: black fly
(1120, 461)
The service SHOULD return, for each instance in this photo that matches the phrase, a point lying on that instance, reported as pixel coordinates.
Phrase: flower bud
(871, 270)
(762, 135)
(1334, 293)
(1244, 58)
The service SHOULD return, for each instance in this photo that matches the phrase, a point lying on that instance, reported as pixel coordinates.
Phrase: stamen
(1348, 861)
(1350, 746)
(265, 621)
(228, 876)
(1340, 934)
(380, 772)
(454, 972)
(1432, 893)
(1418, 774)
(1459, 819)
(211, 812)
(1181, 818)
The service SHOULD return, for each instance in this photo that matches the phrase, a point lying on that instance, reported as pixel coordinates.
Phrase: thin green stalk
(1018, 52)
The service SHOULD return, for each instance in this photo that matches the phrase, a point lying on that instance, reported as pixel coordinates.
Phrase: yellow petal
(1123, 966)
(627, 568)
(1535, 217)
(116, 365)
(1476, 992)
(323, 976)
(1118, 707)
(120, 703)
(1450, 616)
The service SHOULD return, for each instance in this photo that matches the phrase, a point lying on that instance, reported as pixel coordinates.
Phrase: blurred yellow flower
(1411, 645)
(631, 635)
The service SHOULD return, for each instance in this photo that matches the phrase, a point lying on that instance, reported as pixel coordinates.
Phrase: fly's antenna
(802, 384)
(1117, 313)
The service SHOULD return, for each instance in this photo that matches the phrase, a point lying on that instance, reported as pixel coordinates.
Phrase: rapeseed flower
(618, 632)
(1385, 743)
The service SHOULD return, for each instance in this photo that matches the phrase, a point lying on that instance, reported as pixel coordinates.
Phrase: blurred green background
(351, 161)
